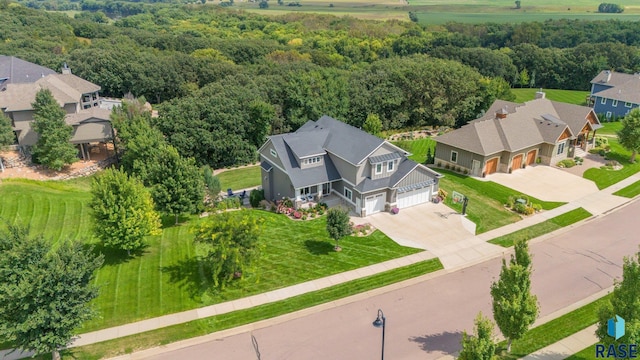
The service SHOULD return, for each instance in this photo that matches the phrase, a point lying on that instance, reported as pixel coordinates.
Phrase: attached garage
(491, 166)
(413, 197)
(374, 204)
(516, 163)
(531, 157)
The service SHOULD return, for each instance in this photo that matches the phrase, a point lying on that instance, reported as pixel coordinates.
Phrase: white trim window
(560, 148)
(348, 194)
(603, 101)
(273, 153)
(390, 166)
(628, 104)
(378, 168)
(454, 157)
(614, 103)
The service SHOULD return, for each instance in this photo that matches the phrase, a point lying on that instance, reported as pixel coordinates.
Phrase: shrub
(466, 172)
(320, 212)
(255, 197)
(264, 204)
(442, 194)
(600, 141)
(566, 163)
(510, 202)
(536, 207)
(313, 215)
(297, 214)
(520, 208)
(528, 210)
(538, 160)
(228, 203)
(447, 166)
(395, 210)
(439, 163)
(304, 217)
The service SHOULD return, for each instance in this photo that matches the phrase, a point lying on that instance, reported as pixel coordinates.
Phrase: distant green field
(567, 96)
(438, 12)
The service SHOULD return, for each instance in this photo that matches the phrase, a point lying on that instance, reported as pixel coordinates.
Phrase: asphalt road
(426, 320)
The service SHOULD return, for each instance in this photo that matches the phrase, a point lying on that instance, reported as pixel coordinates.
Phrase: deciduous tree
(7, 136)
(629, 135)
(625, 303)
(123, 211)
(53, 148)
(514, 307)
(372, 124)
(45, 291)
(230, 244)
(338, 225)
(481, 344)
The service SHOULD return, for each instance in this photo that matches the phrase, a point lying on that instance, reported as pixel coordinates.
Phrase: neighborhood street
(426, 320)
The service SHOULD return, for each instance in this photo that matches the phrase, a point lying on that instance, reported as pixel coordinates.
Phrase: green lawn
(237, 318)
(605, 178)
(166, 278)
(566, 96)
(542, 228)
(630, 191)
(609, 128)
(586, 354)
(486, 200)
(242, 178)
(555, 330)
(418, 148)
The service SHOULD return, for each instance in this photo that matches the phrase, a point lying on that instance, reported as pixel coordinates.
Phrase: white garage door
(374, 204)
(414, 197)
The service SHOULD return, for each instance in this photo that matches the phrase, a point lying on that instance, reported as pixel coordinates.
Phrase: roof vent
(65, 69)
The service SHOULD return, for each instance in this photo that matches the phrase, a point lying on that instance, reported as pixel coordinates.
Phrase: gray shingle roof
(325, 172)
(18, 71)
(623, 87)
(525, 125)
(404, 168)
(307, 143)
(348, 142)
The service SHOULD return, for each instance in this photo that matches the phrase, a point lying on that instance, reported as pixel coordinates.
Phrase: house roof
(518, 126)
(343, 140)
(405, 167)
(17, 71)
(302, 178)
(386, 157)
(94, 113)
(65, 88)
(622, 87)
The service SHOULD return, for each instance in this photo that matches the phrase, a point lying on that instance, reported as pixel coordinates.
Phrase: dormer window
(378, 168)
(312, 160)
(390, 166)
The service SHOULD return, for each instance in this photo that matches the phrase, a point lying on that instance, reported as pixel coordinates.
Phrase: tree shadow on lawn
(189, 274)
(114, 256)
(317, 247)
(446, 342)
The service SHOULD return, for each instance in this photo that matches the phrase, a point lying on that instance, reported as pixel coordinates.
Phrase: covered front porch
(585, 139)
(309, 196)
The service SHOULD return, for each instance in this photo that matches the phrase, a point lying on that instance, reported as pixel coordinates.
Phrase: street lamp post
(381, 321)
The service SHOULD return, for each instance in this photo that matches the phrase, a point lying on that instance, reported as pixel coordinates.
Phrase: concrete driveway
(435, 228)
(546, 183)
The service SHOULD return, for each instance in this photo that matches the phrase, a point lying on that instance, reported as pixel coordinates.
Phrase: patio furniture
(243, 194)
(230, 193)
(310, 197)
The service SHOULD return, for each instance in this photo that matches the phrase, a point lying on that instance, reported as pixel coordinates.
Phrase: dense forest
(224, 79)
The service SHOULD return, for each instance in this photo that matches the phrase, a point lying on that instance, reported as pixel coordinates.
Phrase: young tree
(231, 245)
(514, 307)
(176, 183)
(625, 303)
(53, 148)
(372, 124)
(7, 135)
(629, 135)
(45, 291)
(518, 4)
(524, 78)
(123, 211)
(211, 182)
(338, 225)
(481, 345)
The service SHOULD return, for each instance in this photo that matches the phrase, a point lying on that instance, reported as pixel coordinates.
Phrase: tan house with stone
(511, 136)
(20, 81)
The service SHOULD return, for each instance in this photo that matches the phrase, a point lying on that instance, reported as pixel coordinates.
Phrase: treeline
(225, 79)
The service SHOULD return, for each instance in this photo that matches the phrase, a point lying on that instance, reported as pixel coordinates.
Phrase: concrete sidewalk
(598, 203)
(567, 346)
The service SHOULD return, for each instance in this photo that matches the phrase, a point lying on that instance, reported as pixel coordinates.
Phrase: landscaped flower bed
(286, 207)
(362, 229)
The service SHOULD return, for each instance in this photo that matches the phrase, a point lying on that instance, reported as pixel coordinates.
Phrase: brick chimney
(608, 76)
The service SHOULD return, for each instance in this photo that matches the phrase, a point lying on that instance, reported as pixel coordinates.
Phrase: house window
(273, 153)
(627, 104)
(305, 191)
(454, 156)
(614, 103)
(313, 160)
(603, 101)
(560, 148)
(347, 193)
(608, 115)
(378, 168)
(390, 166)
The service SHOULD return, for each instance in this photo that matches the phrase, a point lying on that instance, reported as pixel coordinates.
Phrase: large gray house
(328, 157)
(511, 136)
